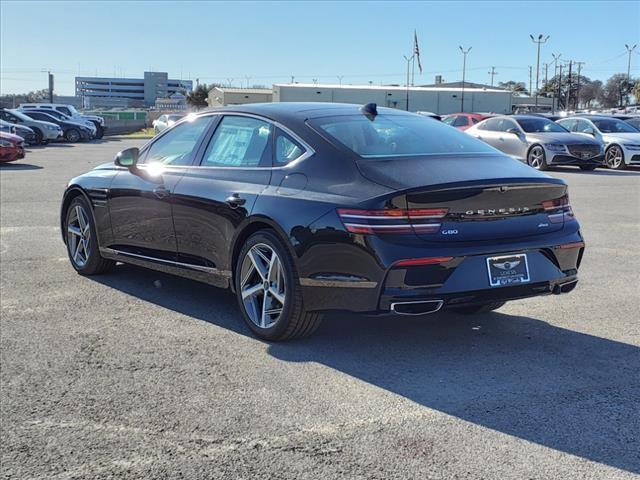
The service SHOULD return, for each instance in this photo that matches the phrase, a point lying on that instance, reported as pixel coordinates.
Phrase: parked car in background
(435, 116)
(71, 131)
(306, 207)
(165, 121)
(25, 132)
(65, 118)
(462, 121)
(11, 147)
(43, 131)
(70, 111)
(538, 142)
(621, 140)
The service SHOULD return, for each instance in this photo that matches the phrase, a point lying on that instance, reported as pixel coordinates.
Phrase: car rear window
(397, 136)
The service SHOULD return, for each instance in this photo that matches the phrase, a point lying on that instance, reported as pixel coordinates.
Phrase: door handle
(161, 192)
(235, 201)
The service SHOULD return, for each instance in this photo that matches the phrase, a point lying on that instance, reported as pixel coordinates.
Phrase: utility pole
(492, 73)
(560, 86)
(555, 75)
(629, 50)
(546, 74)
(539, 41)
(50, 75)
(569, 89)
(578, 85)
(408, 59)
(530, 80)
(292, 78)
(464, 72)
(340, 77)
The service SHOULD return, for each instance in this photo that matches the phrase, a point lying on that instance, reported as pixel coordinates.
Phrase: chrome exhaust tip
(421, 307)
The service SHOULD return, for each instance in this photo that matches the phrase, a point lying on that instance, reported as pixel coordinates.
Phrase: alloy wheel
(536, 158)
(614, 157)
(78, 236)
(263, 285)
(73, 136)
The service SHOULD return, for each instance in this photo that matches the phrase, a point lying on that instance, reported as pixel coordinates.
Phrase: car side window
(474, 120)
(287, 149)
(460, 121)
(582, 126)
(492, 125)
(506, 125)
(449, 120)
(64, 110)
(568, 124)
(176, 147)
(239, 142)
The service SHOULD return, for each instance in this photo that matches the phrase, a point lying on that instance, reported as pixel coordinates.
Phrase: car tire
(72, 135)
(536, 158)
(614, 158)
(38, 136)
(80, 227)
(260, 277)
(99, 131)
(482, 308)
(588, 168)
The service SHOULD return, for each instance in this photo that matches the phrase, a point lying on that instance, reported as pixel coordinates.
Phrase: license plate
(508, 270)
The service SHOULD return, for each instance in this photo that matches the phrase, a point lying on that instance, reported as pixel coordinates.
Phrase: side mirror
(127, 158)
(514, 130)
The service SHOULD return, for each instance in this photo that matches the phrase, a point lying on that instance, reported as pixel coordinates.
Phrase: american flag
(416, 50)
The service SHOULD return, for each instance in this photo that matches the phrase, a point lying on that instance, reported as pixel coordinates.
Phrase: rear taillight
(392, 220)
(418, 262)
(558, 209)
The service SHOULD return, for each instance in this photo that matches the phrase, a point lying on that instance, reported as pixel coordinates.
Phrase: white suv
(70, 111)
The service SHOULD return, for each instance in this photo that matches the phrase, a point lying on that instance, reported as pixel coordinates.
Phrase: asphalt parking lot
(136, 374)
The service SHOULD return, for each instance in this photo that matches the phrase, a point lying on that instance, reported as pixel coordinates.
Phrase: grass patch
(144, 133)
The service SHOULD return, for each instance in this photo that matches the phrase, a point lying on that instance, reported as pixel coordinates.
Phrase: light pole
(408, 59)
(493, 73)
(540, 40)
(464, 72)
(340, 77)
(629, 50)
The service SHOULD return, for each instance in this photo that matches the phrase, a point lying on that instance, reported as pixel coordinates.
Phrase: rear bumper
(463, 280)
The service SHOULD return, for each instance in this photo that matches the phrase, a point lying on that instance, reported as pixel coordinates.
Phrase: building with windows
(129, 92)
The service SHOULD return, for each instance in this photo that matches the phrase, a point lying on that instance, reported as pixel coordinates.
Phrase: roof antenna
(370, 110)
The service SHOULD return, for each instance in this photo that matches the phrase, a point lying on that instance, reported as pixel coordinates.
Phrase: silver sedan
(539, 142)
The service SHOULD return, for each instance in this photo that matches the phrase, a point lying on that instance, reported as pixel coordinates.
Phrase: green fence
(120, 115)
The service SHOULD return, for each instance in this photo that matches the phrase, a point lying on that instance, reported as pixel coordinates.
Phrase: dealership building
(129, 92)
(436, 99)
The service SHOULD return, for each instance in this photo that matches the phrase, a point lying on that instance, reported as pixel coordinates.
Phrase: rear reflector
(414, 262)
(571, 245)
(392, 220)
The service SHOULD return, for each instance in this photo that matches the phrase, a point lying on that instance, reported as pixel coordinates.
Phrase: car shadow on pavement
(630, 172)
(562, 389)
(19, 166)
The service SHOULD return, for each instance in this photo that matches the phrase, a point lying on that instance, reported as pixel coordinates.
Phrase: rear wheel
(587, 167)
(269, 292)
(82, 241)
(614, 157)
(72, 135)
(483, 308)
(536, 158)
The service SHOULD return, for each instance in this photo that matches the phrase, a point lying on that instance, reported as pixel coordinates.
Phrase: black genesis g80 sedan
(302, 208)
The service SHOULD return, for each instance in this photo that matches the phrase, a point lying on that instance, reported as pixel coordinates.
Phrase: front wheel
(536, 158)
(614, 157)
(39, 137)
(72, 135)
(268, 290)
(482, 308)
(82, 241)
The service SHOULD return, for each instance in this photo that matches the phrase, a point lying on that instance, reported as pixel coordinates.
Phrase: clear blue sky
(270, 41)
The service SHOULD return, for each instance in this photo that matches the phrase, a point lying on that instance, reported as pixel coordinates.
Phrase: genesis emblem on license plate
(508, 270)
